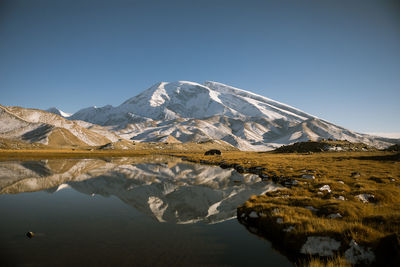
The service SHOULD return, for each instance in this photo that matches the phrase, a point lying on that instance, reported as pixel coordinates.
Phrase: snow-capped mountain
(196, 112)
(58, 112)
(174, 100)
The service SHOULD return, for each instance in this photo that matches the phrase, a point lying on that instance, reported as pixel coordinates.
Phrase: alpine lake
(136, 211)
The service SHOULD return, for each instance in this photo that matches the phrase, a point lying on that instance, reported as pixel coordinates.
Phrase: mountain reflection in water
(167, 189)
(167, 217)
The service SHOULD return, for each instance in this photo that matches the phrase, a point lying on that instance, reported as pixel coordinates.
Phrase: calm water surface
(127, 212)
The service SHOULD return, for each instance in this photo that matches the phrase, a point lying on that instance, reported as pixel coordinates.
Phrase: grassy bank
(348, 197)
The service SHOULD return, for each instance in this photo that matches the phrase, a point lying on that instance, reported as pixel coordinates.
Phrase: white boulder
(325, 188)
(365, 198)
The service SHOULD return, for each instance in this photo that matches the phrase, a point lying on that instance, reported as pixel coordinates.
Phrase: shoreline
(66, 153)
(351, 199)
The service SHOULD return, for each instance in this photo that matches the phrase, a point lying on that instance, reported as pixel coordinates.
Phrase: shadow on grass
(395, 157)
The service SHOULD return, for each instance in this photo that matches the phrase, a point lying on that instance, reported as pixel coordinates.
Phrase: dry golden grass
(336, 261)
(63, 137)
(16, 149)
(367, 223)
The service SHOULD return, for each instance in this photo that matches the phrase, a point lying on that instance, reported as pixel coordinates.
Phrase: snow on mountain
(34, 125)
(387, 135)
(173, 100)
(15, 127)
(254, 105)
(58, 112)
(190, 111)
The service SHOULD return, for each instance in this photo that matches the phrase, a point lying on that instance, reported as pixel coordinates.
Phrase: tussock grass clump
(336, 261)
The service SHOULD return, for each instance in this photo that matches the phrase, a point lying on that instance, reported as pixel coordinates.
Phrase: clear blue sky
(338, 60)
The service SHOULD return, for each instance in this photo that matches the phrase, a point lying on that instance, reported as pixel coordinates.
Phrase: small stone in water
(30, 234)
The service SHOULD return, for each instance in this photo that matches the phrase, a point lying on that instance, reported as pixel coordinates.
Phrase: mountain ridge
(183, 99)
(184, 112)
(38, 126)
(191, 111)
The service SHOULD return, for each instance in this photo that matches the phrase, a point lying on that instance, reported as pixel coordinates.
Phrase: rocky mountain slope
(195, 112)
(37, 126)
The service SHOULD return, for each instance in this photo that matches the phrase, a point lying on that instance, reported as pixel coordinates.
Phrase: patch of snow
(295, 135)
(159, 96)
(320, 245)
(308, 176)
(59, 112)
(387, 135)
(341, 198)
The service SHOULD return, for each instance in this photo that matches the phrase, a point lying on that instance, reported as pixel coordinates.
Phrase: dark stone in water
(30, 234)
(240, 169)
(225, 166)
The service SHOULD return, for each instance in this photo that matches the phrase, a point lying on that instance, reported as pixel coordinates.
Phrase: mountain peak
(190, 111)
(171, 100)
(185, 99)
(59, 112)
